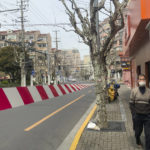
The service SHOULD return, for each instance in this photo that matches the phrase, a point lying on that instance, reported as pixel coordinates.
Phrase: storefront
(137, 39)
(125, 64)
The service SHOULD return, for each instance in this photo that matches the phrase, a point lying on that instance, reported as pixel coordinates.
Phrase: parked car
(72, 80)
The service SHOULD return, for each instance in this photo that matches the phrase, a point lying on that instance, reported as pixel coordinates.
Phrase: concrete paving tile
(95, 140)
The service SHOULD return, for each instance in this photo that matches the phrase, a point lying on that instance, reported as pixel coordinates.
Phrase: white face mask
(142, 83)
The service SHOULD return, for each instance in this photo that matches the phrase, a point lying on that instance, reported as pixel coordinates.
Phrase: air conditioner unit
(9, 31)
(148, 28)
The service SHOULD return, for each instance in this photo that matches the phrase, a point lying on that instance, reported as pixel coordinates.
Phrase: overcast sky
(45, 12)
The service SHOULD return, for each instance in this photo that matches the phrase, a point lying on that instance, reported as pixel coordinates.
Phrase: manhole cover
(114, 126)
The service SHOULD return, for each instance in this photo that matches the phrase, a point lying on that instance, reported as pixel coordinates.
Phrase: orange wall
(145, 9)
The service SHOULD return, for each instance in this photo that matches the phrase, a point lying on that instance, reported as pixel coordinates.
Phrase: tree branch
(110, 45)
(92, 2)
(104, 13)
(93, 11)
(65, 28)
(115, 27)
(107, 10)
(84, 20)
(101, 5)
(74, 23)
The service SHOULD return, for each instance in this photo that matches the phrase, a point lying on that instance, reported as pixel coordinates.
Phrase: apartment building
(70, 63)
(114, 58)
(87, 68)
(37, 46)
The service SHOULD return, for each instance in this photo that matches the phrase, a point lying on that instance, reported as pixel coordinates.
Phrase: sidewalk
(120, 139)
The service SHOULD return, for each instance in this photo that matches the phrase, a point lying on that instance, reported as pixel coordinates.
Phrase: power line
(8, 10)
(8, 13)
(44, 24)
(37, 13)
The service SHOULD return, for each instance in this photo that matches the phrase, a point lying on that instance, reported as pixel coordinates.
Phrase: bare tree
(84, 24)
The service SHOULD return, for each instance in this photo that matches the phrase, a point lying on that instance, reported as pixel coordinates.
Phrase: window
(1, 44)
(11, 37)
(31, 37)
(120, 42)
(138, 70)
(42, 39)
(39, 57)
(121, 35)
(115, 42)
(42, 45)
(118, 62)
(2, 37)
(147, 73)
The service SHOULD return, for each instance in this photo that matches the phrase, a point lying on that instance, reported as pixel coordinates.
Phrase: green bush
(4, 82)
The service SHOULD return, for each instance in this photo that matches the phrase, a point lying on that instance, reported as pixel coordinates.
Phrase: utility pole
(55, 55)
(22, 59)
(56, 38)
(48, 62)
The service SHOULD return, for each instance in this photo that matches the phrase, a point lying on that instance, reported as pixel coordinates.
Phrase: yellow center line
(52, 114)
(79, 133)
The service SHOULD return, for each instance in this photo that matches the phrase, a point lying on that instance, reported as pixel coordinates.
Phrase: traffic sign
(33, 72)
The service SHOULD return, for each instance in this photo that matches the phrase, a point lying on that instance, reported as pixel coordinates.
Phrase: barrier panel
(42, 92)
(18, 96)
(4, 102)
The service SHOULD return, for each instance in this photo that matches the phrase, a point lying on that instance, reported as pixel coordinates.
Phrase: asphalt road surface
(62, 114)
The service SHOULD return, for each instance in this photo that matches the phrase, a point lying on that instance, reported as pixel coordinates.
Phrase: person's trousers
(133, 119)
(140, 121)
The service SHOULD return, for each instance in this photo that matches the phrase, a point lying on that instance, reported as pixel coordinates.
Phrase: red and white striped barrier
(18, 96)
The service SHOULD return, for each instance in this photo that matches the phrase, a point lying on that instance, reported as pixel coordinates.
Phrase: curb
(79, 133)
(71, 141)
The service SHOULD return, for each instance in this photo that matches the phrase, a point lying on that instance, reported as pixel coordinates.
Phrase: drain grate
(114, 126)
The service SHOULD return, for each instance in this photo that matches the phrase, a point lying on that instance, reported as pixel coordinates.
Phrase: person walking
(140, 109)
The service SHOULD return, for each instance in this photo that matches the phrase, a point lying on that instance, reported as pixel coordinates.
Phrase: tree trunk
(109, 74)
(100, 73)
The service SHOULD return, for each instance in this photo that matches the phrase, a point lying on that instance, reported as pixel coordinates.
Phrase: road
(64, 112)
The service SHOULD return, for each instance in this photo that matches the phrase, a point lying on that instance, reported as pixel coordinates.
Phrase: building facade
(137, 39)
(65, 64)
(71, 63)
(113, 60)
(37, 45)
(87, 68)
